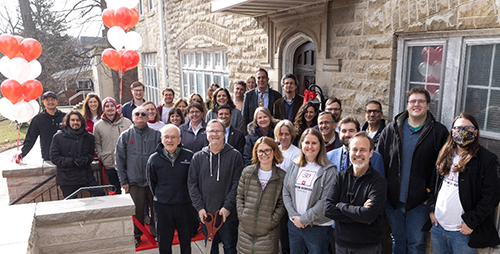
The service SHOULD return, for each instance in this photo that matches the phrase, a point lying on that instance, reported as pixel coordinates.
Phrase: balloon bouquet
(120, 17)
(430, 68)
(20, 89)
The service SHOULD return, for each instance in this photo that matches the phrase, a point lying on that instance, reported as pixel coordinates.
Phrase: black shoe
(147, 220)
(137, 241)
(152, 229)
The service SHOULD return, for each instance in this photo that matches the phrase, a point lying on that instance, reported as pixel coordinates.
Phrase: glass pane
(226, 81)
(199, 83)
(185, 87)
(218, 59)
(199, 62)
(208, 80)
(191, 59)
(217, 79)
(185, 59)
(191, 82)
(208, 60)
(479, 65)
(493, 123)
(496, 67)
(475, 103)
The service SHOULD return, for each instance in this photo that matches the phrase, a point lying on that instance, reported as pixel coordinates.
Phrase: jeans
(311, 239)
(448, 242)
(375, 249)
(407, 235)
(227, 234)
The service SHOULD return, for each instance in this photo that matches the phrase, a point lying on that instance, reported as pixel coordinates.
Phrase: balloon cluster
(20, 67)
(120, 17)
(430, 68)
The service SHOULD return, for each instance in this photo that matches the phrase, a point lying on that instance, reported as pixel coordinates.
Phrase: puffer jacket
(106, 136)
(315, 213)
(259, 211)
(68, 145)
(133, 149)
(254, 133)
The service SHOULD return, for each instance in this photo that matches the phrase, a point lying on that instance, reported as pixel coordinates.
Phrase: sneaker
(147, 220)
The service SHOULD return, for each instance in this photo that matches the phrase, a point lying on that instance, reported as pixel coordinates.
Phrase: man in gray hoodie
(213, 180)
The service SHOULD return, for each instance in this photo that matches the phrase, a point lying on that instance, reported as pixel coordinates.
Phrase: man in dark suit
(287, 106)
(262, 95)
(234, 137)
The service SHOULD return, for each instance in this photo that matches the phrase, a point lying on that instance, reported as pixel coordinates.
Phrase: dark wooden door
(304, 65)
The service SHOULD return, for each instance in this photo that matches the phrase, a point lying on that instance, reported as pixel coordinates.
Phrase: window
(150, 77)
(150, 5)
(201, 69)
(139, 8)
(460, 71)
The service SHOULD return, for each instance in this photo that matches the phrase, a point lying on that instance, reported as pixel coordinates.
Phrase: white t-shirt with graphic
(264, 177)
(449, 209)
(304, 185)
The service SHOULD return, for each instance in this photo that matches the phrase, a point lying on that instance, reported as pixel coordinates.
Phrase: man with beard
(374, 123)
(137, 89)
(334, 106)
(357, 200)
(233, 136)
(287, 106)
(72, 151)
(168, 104)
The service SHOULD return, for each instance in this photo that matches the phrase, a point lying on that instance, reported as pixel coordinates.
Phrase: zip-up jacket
(133, 149)
(106, 136)
(315, 213)
(424, 157)
(44, 125)
(168, 179)
(213, 180)
(191, 141)
(379, 131)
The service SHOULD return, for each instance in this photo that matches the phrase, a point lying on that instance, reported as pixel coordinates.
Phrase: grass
(9, 132)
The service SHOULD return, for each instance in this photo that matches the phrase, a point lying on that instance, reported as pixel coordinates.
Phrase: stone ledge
(13, 170)
(17, 228)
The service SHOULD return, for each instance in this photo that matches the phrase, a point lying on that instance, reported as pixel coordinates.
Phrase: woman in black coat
(262, 125)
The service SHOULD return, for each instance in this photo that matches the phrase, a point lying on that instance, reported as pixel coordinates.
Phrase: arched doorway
(304, 65)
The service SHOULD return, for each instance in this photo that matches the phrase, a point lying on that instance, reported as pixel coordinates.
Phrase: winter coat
(213, 180)
(390, 146)
(133, 149)
(67, 146)
(106, 136)
(315, 213)
(478, 188)
(379, 131)
(259, 211)
(254, 133)
(193, 142)
(44, 125)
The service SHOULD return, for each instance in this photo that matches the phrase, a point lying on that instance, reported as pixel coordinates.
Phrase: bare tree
(26, 15)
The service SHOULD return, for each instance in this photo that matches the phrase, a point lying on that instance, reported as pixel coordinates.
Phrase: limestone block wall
(23, 178)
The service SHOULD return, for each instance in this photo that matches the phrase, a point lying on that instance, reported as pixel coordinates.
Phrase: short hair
(321, 158)
(157, 117)
(175, 111)
(363, 134)
(420, 90)
(136, 84)
(137, 109)
(169, 90)
(374, 102)
(289, 75)
(263, 70)
(66, 118)
(277, 155)
(87, 113)
(217, 121)
(332, 100)
(169, 125)
(327, 113)
(197, 105)
(285, 123)
(241, 83)
(349, 119)
(223, 107)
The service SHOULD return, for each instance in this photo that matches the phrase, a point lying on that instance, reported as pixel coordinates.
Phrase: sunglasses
(140, 114)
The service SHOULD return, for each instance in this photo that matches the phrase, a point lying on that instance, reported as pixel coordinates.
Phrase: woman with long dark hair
(466, 192)
(223, 97)
(92, 110)
(306, 117)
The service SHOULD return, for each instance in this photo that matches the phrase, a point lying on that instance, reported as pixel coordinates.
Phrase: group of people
(282, 174)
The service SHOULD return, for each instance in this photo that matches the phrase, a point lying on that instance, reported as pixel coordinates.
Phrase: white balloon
(4, 67)
(36, 106)
(19, 69)
(36, 70)
(116, 37)
(423, 68)
(22, 112)
(133, 41)
(436, 71)
(6, 109)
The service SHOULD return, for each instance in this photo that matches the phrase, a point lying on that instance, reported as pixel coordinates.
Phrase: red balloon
(31, 49)
(135, 18)
(112, 59)
(9, 45)
(130, 59)
(32, 89)
(19, 39)
(123, 17)
(12, 90)
(108, 18)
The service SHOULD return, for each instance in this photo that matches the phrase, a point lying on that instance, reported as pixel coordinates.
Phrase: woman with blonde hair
(92, 110)
(262, 125)
(305, 191)
(251, 82)
(259, 200)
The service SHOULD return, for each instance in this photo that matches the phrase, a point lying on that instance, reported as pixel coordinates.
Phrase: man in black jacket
(233, 136)
(45, 125)
(374, 124)
(410, 146)
(167, 173)
(356, 201)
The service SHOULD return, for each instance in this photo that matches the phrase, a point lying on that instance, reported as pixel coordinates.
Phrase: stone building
(356, 50)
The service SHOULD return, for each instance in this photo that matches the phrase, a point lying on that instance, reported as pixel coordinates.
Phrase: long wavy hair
(300, 121)
(87, 113)
(445, 157)
(229, 100)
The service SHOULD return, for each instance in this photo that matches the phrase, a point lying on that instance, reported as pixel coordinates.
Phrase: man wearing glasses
(374, 123)
(213, 180)
(409, 146)
(137, 90)
(326, 125)
(334, 106)
(133, 149)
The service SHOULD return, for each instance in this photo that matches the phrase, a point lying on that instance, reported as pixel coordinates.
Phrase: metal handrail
(88, 189)
(32, 190)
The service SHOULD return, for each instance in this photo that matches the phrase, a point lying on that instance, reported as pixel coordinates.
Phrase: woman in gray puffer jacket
(259, 201)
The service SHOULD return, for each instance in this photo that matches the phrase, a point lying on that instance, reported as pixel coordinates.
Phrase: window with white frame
(139, 8)
(462, 73)
(150, 77)
(150, 5)
(200, 69)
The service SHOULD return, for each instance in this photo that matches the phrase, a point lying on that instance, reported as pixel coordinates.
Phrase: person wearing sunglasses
(466, 192)
(133, 149)
(374, 120)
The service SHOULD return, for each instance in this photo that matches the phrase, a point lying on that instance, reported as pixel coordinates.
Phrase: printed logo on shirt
(305, 178)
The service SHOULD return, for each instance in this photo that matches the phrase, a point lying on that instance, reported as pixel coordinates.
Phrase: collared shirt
(265, 97)
(197, 128)
(226, 137)
(172, 156)
(345, 162)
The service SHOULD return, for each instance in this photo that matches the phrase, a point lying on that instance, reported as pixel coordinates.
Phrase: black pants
(168, 219)
(285, 245)
(139, 196)
(113, 179)
(68, 189)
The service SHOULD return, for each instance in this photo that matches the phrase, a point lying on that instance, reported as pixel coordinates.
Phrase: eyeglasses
(215, 131)
(140, 114)
(170, 137)
(333, 109)
(371, 111)
(467, 128)
(325, 122)
(265, 151)
(194, 112)
(138, 90)
(413, 102)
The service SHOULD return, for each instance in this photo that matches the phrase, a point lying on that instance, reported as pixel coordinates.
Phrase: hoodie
(44, 125)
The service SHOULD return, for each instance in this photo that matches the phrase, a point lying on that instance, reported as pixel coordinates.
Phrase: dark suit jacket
(251, 102)
(236, 139)
(279, 107)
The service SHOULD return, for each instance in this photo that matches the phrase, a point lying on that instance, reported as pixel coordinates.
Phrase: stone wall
(21, 179)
